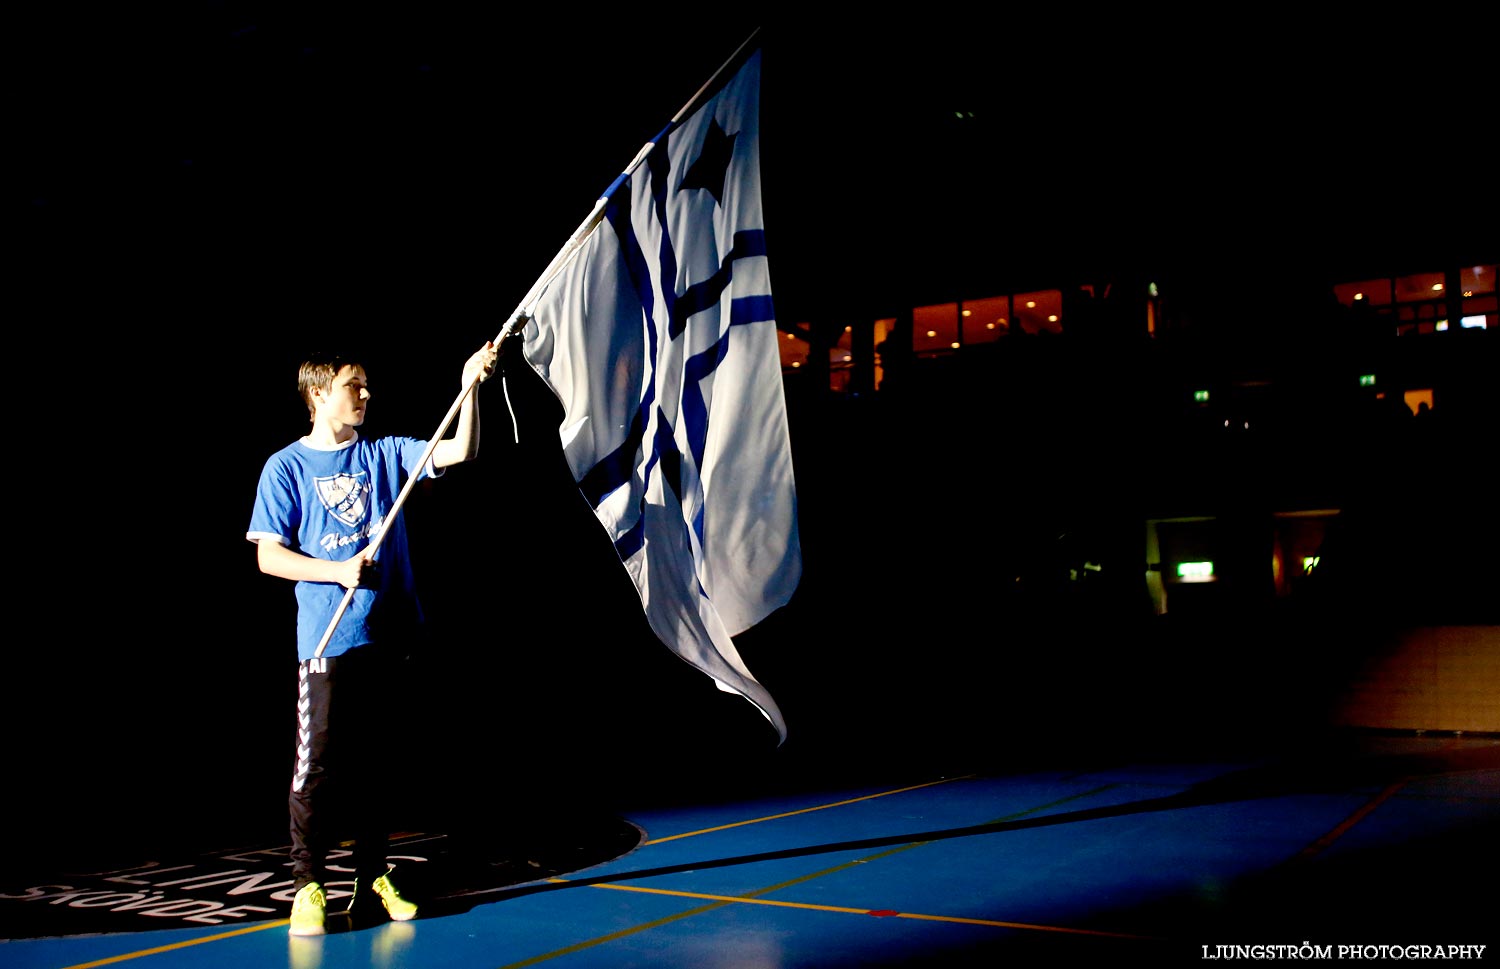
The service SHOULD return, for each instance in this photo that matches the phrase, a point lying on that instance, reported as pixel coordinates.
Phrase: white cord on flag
(515, 427)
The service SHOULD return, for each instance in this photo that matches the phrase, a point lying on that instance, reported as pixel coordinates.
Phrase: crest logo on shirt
(344, 496)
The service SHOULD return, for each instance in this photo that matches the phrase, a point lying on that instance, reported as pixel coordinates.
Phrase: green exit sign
(1367, 380)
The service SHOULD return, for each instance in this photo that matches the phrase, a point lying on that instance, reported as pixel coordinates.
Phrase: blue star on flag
(712, 166)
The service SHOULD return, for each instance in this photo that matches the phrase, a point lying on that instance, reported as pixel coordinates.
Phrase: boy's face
(345, 399)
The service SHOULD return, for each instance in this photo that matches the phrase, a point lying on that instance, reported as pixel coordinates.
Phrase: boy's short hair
(318, 370)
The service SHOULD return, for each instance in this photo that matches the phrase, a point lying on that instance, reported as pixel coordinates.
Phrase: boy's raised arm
(464, 444)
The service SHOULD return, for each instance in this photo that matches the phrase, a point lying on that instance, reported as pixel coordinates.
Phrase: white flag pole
(411, 481)
(522, 314)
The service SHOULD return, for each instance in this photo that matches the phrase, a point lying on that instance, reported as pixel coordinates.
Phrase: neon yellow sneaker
(396, 907)
(308, 908)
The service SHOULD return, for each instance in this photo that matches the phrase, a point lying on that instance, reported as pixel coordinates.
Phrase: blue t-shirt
(330, 504)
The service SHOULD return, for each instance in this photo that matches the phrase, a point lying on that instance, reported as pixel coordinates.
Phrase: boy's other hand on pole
(356, 572)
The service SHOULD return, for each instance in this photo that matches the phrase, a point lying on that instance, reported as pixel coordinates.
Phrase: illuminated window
(841, 361)
(1421, 303)
(1367, 293)
(1370, 303)
(1481, 310)
(934, 329)
(986, 320)
(1419, 287)
(883, 330)
(794, 351)
(1416, 398)
(1039, 312)
(942, 328)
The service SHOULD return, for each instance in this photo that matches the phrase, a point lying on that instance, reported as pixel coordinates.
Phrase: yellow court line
(125, 957)
(623, 933)
(750, 898)
(820, 807)
(747, 900)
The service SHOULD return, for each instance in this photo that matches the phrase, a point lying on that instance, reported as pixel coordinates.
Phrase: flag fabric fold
(659, 339)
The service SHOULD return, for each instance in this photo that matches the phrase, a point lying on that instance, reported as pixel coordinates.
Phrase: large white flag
(659, 338)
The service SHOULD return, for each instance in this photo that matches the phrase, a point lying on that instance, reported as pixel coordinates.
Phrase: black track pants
(336, 786)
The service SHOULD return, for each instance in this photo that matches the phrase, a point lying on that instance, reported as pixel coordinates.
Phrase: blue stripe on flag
(665, 451)
(705, 294)
(751, 309)
(660, 164)
(614, 469)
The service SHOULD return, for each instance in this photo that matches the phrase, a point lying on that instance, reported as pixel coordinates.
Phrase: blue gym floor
(1389, 841)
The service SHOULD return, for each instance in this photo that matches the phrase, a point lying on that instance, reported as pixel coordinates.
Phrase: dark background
(203, 195)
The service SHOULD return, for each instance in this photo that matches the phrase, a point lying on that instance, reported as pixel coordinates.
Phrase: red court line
(1342, 828)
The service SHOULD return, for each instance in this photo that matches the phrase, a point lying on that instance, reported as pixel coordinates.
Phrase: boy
(320, 502)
